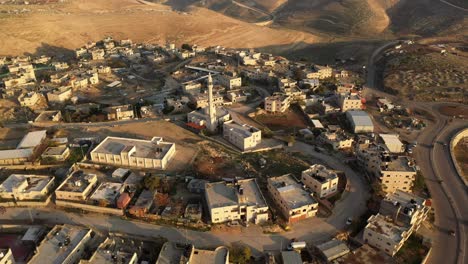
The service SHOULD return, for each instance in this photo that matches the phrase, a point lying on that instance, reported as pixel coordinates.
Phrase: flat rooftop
(398, 163)
(384, 226)
(173, 253)
(108, 191)
(152, 149)
(404, 198)
(333, 249)
(25, 183)
(55, 150)
(291, 191)
(16, 153)
(320, 173)
(243, 130)
(145, 200)
(114, 250)
(59, 243)
(32, 139)
(77, 182)
(217, 256)
(246, 192)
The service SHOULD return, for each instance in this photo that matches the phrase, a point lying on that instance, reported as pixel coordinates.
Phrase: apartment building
(396, 172)
(322, 181)
(277, 103)
(241, 200)
(319, 72)
(294, 202)
(151, 154)
(76, 187)
(405, 209)
(191, 86)
(106, 194)
(244, 137)
(29, 99)
(64, 244)
(26, 187)
(349, 101)
(60, 95)
(230, 80)
(201, 100)
(172, 252)
(115, 249)
(121, 112)
(381, 232)
(97, 54)
(338, 140)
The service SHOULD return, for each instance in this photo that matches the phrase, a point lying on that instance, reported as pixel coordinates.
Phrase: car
(349, 221)
(452, 232)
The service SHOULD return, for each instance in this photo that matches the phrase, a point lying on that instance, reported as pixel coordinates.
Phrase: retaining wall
(455, 140)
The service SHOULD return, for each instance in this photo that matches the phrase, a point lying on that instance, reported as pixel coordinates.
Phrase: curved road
(449, 193)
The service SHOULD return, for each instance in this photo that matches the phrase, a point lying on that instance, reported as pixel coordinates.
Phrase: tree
(152, 183)
(240, 254)
(186, 46)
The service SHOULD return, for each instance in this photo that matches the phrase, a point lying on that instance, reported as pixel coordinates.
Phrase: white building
(117, 151)
(382, 233)
(64, 244)
(320, 180)
(392, 143)
(241, 200)
(26, 187)
(294, 202)
(244, 137)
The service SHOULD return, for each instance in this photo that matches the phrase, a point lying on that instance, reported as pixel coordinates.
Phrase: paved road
(352, 204)
(446, 188)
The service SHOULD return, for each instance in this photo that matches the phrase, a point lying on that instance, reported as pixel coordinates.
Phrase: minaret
(211, 122)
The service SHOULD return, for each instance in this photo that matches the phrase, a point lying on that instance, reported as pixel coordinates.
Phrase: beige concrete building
(322, 181)
(201, 100)
(244, 137)
(121, 112)
(60, 95)
(349, 101)
(405, 209)
(396, 172)
(29, 99)
(277, 103)
(151, 154)
(201, 117)
(97, 54)
(337, 140)
(56, 153)
(382, 233)
(294, 202)
(191, 86)
(241, 200)
(392, 143)
(15, 156)
(76, 187)
(6, 256)
(64, 244)
(230, 81)
(26, 187)
(320, 72)
(172, 252)
(114, 250)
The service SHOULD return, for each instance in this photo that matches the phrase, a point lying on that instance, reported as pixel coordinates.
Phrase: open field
(427, 75)
(61, 27)
(461, 154)
(283, 121)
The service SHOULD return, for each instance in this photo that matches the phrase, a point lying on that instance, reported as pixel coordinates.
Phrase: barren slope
(71, 25)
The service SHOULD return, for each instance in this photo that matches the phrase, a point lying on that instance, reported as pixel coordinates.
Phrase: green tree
(152, 183)
(186, 46)
(240, 254)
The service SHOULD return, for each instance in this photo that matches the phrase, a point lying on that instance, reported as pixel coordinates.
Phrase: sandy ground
(74, 23)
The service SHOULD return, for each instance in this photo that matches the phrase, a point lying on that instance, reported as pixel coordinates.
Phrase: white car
(349, 221)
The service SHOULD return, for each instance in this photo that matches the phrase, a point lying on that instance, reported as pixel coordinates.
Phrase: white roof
(15, 153)
(391, 139)
(317, 123)
(360, 118)
(32, 139)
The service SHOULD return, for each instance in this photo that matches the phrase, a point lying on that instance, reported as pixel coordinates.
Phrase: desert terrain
(70, 24)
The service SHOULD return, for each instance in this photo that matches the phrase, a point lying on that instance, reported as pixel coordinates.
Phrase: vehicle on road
(297, 245)
(452, 233)
(349, 221)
